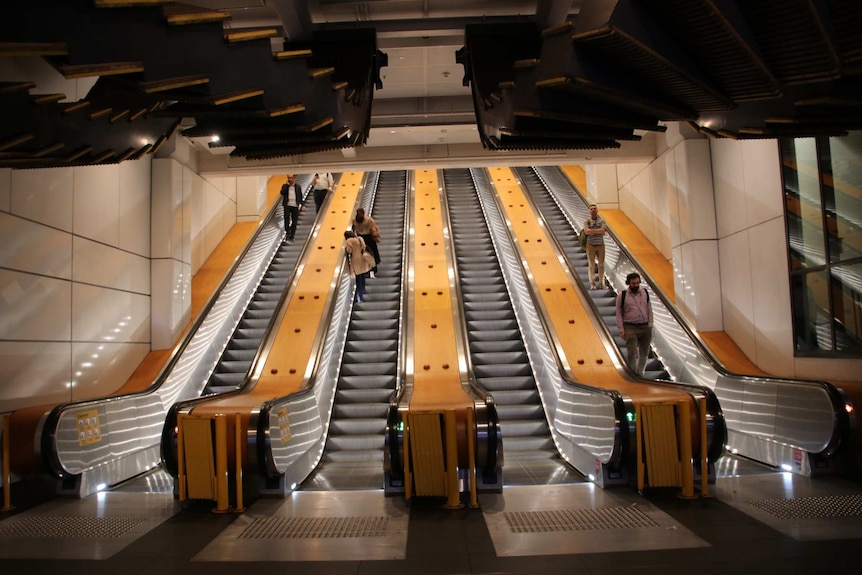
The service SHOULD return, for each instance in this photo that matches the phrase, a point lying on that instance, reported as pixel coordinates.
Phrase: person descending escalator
(365, 227)
(634, 320)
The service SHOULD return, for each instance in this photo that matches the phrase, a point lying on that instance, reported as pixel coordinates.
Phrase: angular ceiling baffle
(734, 69)
(321, 93)
(162, 66)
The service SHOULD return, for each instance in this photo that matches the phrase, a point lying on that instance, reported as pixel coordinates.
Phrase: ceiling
(296, 85)
(423, 111)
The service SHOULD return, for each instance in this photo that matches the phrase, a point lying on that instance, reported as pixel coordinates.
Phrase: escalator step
(356, 442)
(370, 381)
(512, 358)
(355, 456)
(519, 411)
(371, 345)
(516, 397)
(495, 384)
(388, 356)
(527, 443)
(476, 316)
(500, 369)
(233, 367)
(524, 428)
(513, 345)
(227, 379)
(251, 333)
(358, 425)
(345, 410)
(493, 325)
(374, 395)
(239, 355)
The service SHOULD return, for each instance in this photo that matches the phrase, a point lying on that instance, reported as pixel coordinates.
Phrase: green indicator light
(630, 416)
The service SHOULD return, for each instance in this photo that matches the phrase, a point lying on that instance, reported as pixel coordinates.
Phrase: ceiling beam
(295, 18)
(550, 13)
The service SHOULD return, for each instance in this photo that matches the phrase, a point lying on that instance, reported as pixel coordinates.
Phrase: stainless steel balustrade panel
(584, 426)
(786, 415)
(309, 414)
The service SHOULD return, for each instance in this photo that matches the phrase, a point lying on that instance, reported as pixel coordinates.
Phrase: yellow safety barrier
(408, 467)
(686, 461)
(202, 456)
(197, 464)
(7, 474)
(427, 454)
(664, 446)
(704, 456)
(221, 493)
(238, 444)
(431, 456)
(452, 490)
(471, 454)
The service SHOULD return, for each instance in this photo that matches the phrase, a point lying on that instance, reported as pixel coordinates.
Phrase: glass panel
(843, 197)
(802, 198)
(847, 307)
(812, 321)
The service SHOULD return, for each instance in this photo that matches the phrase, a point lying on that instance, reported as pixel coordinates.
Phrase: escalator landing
(539, 470)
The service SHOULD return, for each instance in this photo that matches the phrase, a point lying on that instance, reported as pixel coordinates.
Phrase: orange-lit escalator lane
(436, 375)
(580, 345)
(301, 324)
(25, 421)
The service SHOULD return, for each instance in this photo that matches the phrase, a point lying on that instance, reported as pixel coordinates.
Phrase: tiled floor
(756, 522)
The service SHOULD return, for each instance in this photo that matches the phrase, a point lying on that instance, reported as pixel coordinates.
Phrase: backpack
(582, 238)
(623, 299)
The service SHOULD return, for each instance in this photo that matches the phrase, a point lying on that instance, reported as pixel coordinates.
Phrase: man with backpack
(634, 320)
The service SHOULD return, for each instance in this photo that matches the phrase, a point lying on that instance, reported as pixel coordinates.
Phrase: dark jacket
(297, 190)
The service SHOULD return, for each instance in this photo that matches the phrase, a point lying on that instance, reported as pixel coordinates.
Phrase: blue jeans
(360, 286)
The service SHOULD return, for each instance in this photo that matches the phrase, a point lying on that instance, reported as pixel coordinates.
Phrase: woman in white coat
(354, 246)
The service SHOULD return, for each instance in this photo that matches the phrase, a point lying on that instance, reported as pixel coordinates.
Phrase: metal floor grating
(577, 520)
(71, 527)
(811, 507)
(315, 527)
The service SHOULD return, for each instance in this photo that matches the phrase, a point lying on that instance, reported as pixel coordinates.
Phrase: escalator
(794, 425)
(235, 363)
(353, 457)
(604, 299)
(129, 427)
(498, 356)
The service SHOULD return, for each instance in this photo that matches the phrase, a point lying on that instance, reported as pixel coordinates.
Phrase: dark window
(823, 210)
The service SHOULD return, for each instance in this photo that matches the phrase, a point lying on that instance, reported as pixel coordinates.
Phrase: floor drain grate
(71, 527)
(315, 527)
(577, 520)
(811, 507)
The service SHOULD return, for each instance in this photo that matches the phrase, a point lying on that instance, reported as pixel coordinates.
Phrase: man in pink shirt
(634, 320)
